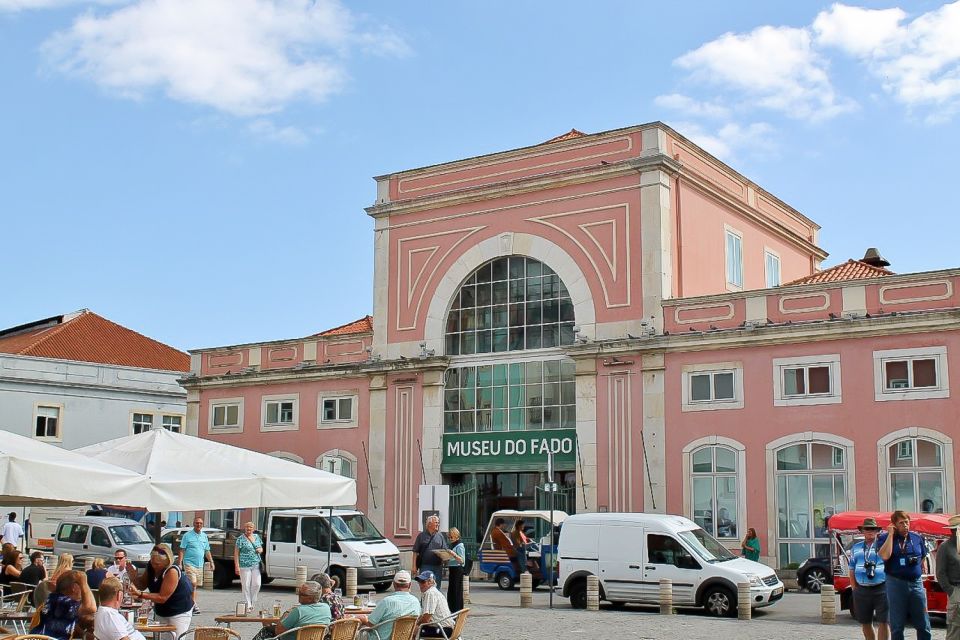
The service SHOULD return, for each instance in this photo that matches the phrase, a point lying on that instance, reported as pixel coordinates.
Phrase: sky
(197, 170)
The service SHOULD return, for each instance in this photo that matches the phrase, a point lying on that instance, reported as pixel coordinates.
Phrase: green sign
(509, 451)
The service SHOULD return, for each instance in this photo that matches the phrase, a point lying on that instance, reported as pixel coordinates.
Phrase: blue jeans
(907, 599)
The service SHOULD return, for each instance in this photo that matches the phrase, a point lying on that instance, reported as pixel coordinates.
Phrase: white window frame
(771, 256)
(780, 365)
(884, 470)
(337, 456)
(736, 368)
(741, 474)
(141, 412)
(881, 358)
(281, 426)
(732, 285)
(337, 423)
(178, 416)
(58, 437)
(225, 402)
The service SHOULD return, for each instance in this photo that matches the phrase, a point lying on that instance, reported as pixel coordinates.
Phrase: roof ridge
(368, 318)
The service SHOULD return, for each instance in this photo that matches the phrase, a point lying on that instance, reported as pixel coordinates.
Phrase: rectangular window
(772, 268)
(806, 380)
(911, 374)
(714, 386)
(280, 412)
(142, 422)
(337, 409)
(173, 423)
(48, 422)
(226, 416)
(734, 259)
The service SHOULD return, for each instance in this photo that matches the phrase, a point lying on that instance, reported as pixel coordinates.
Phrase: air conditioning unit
(899, 384)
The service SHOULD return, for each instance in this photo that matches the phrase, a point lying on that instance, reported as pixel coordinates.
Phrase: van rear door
(282, 546)
(621, 561)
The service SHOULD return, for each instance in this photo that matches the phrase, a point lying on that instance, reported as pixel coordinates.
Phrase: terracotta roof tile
(87, 337)
(363, 325)
(569, 135)
(849, 270)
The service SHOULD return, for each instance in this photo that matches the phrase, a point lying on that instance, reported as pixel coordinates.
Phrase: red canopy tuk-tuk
(844, 533)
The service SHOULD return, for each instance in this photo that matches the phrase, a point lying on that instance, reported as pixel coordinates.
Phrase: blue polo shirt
(860, 555)
(899, 565)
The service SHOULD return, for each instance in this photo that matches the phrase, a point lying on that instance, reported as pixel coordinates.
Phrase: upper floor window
(47, 422)
(734, 259)
(712, 386)
(772, 268)
(806, 380)
(142, 422)
(280, 413)
(510, 304)
(911, 374)
(173, 423)
(226, 414)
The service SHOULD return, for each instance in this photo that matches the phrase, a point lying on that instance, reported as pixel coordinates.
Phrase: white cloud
(859, 31)
(243, 57)
(731, 139)
(771, 67)
(28, 5)
(691, 107)
(267, 130)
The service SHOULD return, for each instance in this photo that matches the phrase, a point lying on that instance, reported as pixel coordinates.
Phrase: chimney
(873, 258)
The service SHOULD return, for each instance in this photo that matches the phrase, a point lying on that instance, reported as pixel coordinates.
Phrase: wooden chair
(456, 632)
(344, 629)
(211, 633)
(33, 636)
(404, 628)
(306, 632)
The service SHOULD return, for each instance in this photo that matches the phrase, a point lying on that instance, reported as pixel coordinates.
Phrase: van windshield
(355, 527)
(706, 546)
(130, 534)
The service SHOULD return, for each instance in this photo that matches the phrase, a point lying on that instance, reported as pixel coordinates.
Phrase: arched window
(286, 455)
(509, 304)
(915, 475)
(713, 473)
(339, 462)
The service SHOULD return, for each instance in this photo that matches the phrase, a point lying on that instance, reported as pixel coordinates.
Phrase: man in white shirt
(108, 622)
(12, 532)
(118, 569)
(434, 603)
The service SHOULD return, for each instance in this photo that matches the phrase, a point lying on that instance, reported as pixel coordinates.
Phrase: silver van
(97, 536)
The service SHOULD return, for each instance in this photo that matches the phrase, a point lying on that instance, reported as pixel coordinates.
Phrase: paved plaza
(497, 615)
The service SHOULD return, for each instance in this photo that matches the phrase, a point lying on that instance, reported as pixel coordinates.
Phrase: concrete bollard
(466, 589)
(593, 593)
(828, 604)
(300, 573)
(666, 596)
(207, 576)
(744, 607)
(87, 564)
(351, 588)
(526, 590)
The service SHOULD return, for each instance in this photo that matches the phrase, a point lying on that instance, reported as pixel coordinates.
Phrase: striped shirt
(401, 603)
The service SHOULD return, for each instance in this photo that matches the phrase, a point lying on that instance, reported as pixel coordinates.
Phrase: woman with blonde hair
(170, 590)
(246, 562)
(48, 586)
(455, 566)
(96, 573)
(64, 564)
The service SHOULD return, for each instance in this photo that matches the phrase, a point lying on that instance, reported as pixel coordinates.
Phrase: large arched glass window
(509, 304)
(915, 473)
(714, 484)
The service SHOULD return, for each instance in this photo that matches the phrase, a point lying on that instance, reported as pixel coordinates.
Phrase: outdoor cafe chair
(344, 629)
(33, 636)
(210, 633)
(404, 628)
(456, 632)
(306, 632)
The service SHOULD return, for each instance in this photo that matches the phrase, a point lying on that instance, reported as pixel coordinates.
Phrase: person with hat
(433, 602)
(398, 604)
(904, 554)
(948, 577)
(868, 581)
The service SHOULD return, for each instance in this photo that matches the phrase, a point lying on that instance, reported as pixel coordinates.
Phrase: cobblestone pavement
(496, 615)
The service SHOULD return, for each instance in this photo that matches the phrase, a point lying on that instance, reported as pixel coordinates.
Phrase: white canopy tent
(35, 473)
(186, 473)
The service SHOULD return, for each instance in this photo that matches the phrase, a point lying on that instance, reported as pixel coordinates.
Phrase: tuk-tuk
(932, 527)
(540, 554)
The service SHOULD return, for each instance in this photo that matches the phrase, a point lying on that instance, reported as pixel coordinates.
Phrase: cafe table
(233, 618)
(156, 629)
(357, 611)
(18, 618)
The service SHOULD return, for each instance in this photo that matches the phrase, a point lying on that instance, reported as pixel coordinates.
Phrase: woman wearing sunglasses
(170, 590)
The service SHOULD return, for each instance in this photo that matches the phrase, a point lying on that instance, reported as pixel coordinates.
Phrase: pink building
(614, 298)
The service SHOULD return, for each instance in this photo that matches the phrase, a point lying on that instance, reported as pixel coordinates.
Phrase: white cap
(402, 577)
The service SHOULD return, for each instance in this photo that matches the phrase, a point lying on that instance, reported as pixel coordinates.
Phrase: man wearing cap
(904, 554)
(948, 577)
(867, 579)
(434, 603)
(398, 604)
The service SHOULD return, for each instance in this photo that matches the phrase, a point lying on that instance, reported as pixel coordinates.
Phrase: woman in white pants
(246, 562)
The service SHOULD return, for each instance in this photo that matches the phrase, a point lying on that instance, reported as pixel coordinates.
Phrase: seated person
(119, 567)
(434, 603)
(35, 571)
(398, 604)
(96, 574)
(66, 606)
(108, 622)
(311, 610)
(500, 538)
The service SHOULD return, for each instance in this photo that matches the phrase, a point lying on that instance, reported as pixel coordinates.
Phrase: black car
(814, 573)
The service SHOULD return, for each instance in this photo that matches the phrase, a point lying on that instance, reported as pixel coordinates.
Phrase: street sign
(551, 486)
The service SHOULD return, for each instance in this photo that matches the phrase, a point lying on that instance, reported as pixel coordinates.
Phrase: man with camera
(867, 579)
(904, 554)
(948, 577)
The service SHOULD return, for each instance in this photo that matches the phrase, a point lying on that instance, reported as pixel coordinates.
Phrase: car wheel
(720, 602)
(814, 579)
(340, 575)
(504, 581)
(578, 595)
(380, 587)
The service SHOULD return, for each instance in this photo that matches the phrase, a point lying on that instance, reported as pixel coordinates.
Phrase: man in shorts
(194, 547)
(868, 581)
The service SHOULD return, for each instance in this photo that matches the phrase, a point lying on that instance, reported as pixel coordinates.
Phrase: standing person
(424, 547)
(433, 602)
(396, 605)
(108, 622)
(948, 577)
(520, 542)
(904, 553)
(246, 561)
(750, 547)
(868, 581)
(194, 548)
(455, 567)
(12, 532)
(96, 573)
(35, 572)
(170, 591)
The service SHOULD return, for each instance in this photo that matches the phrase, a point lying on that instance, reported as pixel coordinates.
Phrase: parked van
(98, 536)
(44, 521)
(631, 552)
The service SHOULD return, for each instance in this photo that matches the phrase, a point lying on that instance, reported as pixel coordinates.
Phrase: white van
(98, 536)
(631, 552)
(301, 537)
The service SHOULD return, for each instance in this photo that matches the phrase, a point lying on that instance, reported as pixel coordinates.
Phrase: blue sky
(197, 169)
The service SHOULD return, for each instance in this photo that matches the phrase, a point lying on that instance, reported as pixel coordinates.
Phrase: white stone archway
(946, 445)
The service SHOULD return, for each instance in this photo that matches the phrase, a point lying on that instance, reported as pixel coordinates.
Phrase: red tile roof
(87, 337)
(569, 135)
(363, 325)
(849, 270)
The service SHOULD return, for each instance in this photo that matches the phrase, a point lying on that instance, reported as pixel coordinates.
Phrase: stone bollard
(87, 564)
(351, 589)
(207, 576)
(466, 589)
(300, 573)
(828, 604)
(593, 593)
(744, 607)
(526, 590)
(666, 596)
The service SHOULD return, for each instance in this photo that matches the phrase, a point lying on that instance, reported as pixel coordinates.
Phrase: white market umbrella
(35, 473)
(186, 473)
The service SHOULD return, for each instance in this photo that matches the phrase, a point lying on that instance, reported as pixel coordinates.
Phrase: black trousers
(455, 589)
(434, 632)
